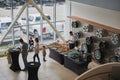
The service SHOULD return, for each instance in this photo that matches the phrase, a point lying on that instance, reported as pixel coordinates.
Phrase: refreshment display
(60, 47)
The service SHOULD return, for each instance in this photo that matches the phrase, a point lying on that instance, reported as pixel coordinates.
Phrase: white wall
(96, 14)
(108, 4)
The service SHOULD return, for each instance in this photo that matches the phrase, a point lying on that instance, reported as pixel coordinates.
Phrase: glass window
(5, 25)
(20, 28)
(31, 18)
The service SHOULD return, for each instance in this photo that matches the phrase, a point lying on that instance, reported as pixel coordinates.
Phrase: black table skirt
(56, 56)
(77, 67)
(15, 59)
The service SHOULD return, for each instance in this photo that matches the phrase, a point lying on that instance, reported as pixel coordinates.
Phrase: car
(8, 3)
(33, 19)
(34, 23)
(4, 24)
(21, 2)
(30, 33)
(1, 3)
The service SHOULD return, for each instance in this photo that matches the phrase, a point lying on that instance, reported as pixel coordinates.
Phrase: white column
(67, 20)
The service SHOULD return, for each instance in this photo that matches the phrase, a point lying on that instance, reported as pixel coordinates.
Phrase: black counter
(75, 65)
(56, 55)
(15, 59)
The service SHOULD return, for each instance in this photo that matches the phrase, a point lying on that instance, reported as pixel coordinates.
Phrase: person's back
(24, 47)
(31, 44)
(36, 34)
(44, 53)
(37, 47)
(24, 51)
(71, 40)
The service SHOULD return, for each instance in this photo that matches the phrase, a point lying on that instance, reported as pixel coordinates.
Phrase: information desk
(75, 65)
(56, 55)
(33, 70)
(15, 59)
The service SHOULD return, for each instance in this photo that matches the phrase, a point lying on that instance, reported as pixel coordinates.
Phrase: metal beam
(51, 25)
(20, 12)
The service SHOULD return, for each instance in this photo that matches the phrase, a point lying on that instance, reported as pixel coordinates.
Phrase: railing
(102, 72)
(97, 75)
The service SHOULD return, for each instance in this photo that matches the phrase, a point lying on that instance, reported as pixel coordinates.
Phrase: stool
(33, 70)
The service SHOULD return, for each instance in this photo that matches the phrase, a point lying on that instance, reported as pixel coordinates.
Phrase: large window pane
(10, 9)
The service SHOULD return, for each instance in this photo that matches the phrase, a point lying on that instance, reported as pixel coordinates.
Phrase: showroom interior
(95, 26)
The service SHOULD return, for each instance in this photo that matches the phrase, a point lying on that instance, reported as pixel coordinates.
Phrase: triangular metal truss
(19, 14)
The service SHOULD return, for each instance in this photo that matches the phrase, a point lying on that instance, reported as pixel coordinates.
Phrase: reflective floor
(49, 70)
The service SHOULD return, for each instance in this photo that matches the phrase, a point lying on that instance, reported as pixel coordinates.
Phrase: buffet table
(56, 55)
(58, 50)
(75, 65)
(70, 58)
(15, 59)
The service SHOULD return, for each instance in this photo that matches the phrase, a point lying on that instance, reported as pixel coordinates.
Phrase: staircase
(101, 72)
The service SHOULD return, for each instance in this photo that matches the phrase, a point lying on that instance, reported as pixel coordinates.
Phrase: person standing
(36, 34)
(44, 53)
(31, 44)
(71, 41)
(36, 49)
(24, 51)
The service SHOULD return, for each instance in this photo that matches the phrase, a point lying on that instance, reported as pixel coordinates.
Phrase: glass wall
(30, 20)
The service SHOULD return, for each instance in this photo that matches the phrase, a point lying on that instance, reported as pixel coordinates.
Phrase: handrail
(98, 70)
(95, 24)
(96, 75)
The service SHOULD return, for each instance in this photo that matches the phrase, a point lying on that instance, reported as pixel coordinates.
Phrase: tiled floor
(49, 70)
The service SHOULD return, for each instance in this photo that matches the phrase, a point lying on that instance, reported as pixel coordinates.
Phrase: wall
(109, 49)
(108, 4)
(96, 14)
